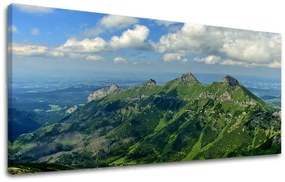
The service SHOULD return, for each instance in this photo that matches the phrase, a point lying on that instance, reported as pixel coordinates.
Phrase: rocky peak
(149, 83)
(188, 77)
(103, 92)
(113, 87)
(230, 81)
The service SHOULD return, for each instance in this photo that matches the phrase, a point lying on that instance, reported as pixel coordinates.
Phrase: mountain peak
(148, 83)
(231, 81)
(103, 92)
(188, 77)
(114, 87)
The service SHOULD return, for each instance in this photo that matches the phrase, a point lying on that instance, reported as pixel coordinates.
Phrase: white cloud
(229, 62)
(174, 57)
(233, 63)
(252, 49)
(35, 31)
(94, 58)
(247, 48)
(13, 28)
(275, 64)
(245, 64)
(209, 59)
(118, 60)
(188, 38)
(72, 48)
(27, 50)
(131, 38)
(33, 9)
(83, 46)
(80, 48)
(116, 21)
(109, 23)
(55, 53)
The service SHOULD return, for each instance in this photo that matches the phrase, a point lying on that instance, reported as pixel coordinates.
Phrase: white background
(254, 15)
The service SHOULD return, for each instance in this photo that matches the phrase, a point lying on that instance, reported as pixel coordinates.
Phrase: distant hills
(20, 122)
(180, 121)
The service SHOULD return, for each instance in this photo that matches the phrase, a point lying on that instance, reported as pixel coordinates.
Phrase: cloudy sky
(56, 42)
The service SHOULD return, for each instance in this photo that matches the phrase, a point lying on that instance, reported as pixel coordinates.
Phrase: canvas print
(90, 90)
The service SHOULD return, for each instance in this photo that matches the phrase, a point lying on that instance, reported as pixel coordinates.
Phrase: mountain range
(181, 120)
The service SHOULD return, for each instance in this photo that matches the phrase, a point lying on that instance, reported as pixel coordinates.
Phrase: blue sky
(47, 41)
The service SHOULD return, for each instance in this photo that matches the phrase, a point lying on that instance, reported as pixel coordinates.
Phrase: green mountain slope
(182, 120)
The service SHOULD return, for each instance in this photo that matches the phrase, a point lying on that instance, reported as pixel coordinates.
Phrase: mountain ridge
(181, 120)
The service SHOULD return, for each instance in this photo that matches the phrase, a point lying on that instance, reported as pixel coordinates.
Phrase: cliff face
(103, 92)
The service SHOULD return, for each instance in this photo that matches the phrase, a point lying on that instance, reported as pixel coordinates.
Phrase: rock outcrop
(103, 92)
(230, 81)
(149, 83)
(71, 109)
